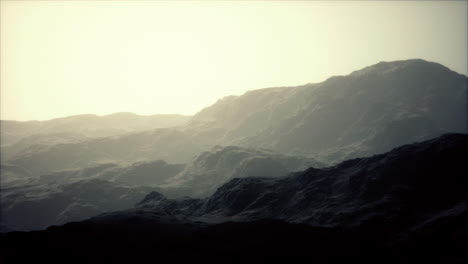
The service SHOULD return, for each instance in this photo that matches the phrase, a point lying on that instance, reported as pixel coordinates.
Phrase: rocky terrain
(23, 193)
(409, 204)
(211, 169)
(38, 206)
(33, 203)
(410, 182)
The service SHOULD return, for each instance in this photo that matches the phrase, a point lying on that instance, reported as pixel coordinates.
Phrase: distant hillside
(87, 125)
(211, 169)
(367, 112)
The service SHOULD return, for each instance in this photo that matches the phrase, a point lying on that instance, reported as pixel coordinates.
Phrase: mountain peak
(387, 67)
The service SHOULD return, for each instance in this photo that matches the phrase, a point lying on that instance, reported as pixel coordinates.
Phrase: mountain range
(367, 112)
(68, 190)
(87, 125)
(409, 204)
(355, 167)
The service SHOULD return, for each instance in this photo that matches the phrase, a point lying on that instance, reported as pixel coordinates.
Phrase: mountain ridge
(88, 125)
(329, 195)
(409, 204)
(359, 115)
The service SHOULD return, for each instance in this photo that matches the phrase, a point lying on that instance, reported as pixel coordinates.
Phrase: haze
(147, 57)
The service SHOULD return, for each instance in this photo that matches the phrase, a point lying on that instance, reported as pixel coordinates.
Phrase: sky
(61, 58)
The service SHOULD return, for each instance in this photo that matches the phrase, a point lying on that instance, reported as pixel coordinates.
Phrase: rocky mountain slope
(200, 178)
(174, 145)
(410, 186)
(38, 206)
(370, 111)
(408, 205)
(211, 169)
(36, 202)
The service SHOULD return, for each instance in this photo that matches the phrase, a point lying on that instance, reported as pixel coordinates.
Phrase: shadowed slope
(407, 205)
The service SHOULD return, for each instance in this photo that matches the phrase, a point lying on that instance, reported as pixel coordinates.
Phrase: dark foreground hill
(409, 205)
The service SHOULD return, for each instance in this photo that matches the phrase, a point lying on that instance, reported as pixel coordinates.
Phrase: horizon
(191, 115)
(72, 58)
(96, 115)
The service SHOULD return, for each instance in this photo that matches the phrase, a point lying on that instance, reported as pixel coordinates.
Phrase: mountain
(37, 206)
(141, 173)
(144, 173)
(413, 184)
(36, 141)
(31, 203)
(174, 145)
(77, 141)
(12, 175)
(87, 125)
(407, 205)
(367, 112)
(211, 169)
(200, 178)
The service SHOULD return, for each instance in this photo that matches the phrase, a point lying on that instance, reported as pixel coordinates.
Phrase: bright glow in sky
(61, 58)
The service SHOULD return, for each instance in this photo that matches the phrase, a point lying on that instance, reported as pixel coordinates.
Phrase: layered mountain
(36, 202)
(411, 185)
(79, 141)
(409, 204)
(40, 205)
(86, 125)
(141, 173)
(367, 112)
(200, 178)
(36, 141)
(211, 169)
(174, 145)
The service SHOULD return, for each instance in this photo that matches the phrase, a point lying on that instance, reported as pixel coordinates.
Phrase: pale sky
(61, 58)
